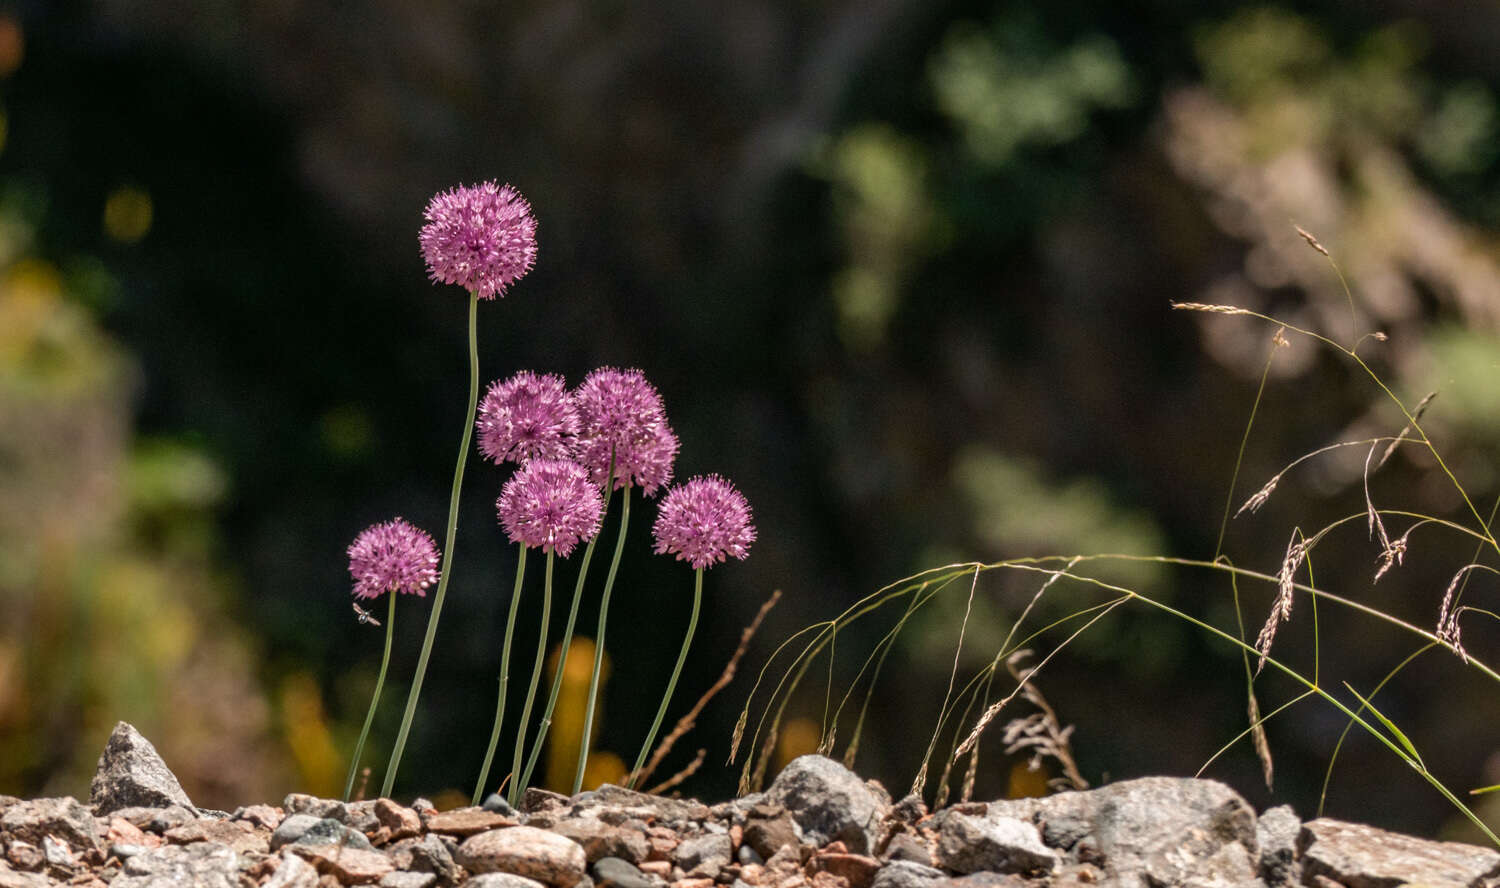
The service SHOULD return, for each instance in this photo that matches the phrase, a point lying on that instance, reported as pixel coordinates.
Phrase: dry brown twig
(688, 721)
(685, 773)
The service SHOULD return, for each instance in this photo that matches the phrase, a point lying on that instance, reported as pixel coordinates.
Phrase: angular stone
(132, 774)
(64, 819)
(407, 880)
(830, 803)
(613, 872)
(994, 880)
(1166, 829)
(399, 821)
(57, 853)
(496, 803)
(258, 815)
(856, 869)
(1276, 832)
(600, 840)
(302, 803)
(292, 872)
(306, 829)
(703, 856)
(350, 865)
(1365, 857)
(768, 827)
(430, 854)
(905, 846)
(236, 834)
(201, 865)
(969, 844)
(25, 856)
(464, 822)
(502, 880)
(10, 878)
(616, 804)
(905, 874)
(525, 851)
(170, 817)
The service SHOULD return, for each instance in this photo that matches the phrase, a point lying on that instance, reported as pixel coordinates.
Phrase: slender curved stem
(510, 628)
(447, 566)
(609, 585)
(562, 661)
(516, 786)
(385, 660)
(661, 711)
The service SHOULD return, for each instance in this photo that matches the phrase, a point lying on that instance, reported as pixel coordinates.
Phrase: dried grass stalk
(1416, 416)
(1281, 609)
(1040, 732)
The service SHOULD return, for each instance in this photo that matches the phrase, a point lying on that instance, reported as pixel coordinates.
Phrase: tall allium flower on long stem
(702, 522)
(524, 417)
(387, 558)
(482, 238)
(551, 505)
(625, 442)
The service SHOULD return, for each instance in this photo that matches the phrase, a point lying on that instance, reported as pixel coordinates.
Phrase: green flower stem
(447, 566)
(510, 627)
(536, 674)
(609, 585)
(661, 711)
(562, 660)
(385, 660)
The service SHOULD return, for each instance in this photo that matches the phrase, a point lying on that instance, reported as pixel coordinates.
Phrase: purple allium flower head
(392, 557)
(528, 416)
(550, 502)
(482, 238)
(704, 521)
(621, 414)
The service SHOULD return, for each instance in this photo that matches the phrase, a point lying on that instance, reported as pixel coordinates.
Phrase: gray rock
(615, 804)
(525, 851)
(905, 874)
(496, 803)
(703, 856)
(132, 774)
(905, 846)
(65, 819)
(57, 854)
(1001, 880)
(502, 880)
(164, 820)
(302, 803)
(1276, 833)
(1164, 830)
(407, 880)
(430, 854)
(749, 855)
(1365, 857)
(292, 872)
(768, 827)
(600, 840)
(970, 844)
(125, 850)
(307, 829)
(359, 816)
(12, 878)
(612, 872)
(201, 865)
(830, 803)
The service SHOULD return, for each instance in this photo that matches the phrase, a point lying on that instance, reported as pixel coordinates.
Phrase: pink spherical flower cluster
(621, 416)
(482, 238)
(529, 416)
(704, 521)
(550, 503)
(393, 557)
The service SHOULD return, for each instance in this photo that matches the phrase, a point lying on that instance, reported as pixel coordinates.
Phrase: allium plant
(702, 522)
(625, 442)
(388, 558)
(482, 238)
(551, 505)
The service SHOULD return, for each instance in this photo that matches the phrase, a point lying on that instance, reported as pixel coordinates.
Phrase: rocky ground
(819, 826)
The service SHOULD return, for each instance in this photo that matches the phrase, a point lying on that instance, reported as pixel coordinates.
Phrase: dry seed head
(1259, 498)
(1212, 309)
(1416, 416)
(1281, 609)
(1447, 624)
(1311, 241)
(1279, 339)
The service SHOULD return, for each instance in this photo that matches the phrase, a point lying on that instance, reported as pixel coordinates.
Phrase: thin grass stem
(504, 681)
(666, 699)
(516, 785)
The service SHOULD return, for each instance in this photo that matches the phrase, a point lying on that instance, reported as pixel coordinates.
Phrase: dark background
(901, 270)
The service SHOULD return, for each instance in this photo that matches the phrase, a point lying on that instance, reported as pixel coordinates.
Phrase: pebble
(525, 851)
(613, 872)
(348, 864)
(465, 822)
